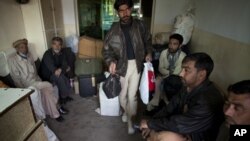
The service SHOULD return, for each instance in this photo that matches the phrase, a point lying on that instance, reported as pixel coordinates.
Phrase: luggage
(89, 47)
(87, 84)
(108, 107)
(85, 66)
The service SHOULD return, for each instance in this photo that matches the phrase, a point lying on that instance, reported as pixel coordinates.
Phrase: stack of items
(89, 65)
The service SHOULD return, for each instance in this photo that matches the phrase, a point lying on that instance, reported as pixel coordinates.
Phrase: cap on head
(118, 3)
(20, 41)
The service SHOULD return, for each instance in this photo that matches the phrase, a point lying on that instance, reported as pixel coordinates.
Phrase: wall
(34, 26)
(222, 30)
(164, 13)
(69, 17)
(11, 25)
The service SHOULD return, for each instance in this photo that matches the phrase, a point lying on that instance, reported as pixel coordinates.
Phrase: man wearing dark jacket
(57, 67)
(194, 114)
(126, 46)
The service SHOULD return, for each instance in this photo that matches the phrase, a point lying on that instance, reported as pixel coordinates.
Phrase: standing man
(57, 69)
(169, 63)
(126, 46)
(236, 108)
(24, 74)
(194, 114)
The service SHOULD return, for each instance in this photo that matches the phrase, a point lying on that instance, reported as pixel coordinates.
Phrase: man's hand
(148, 58)
(112, 68)
(58, 72)
(145, 133)
(144, 124)
(68, 69)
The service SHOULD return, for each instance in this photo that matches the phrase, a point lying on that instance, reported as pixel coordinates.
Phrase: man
(126, 46)
(57, 68)
(24, 73)
(236, 108)
(169, 63)
(194, 114)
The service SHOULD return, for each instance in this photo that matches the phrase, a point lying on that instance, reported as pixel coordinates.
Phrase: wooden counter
(17, 119)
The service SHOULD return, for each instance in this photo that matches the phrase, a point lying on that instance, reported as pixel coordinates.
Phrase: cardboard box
(89, 47)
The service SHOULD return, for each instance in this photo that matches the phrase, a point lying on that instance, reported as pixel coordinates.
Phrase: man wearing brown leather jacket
(126, 46)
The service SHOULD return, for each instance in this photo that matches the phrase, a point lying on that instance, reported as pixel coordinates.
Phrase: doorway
(96, 16)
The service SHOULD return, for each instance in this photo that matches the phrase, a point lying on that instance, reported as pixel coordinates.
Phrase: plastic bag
(72, 42)
(184, 25)
(112, 86)
(147, 83)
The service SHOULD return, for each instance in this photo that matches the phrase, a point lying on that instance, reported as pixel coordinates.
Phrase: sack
(112, 86)
(147, 83)
(108, 107)
(184, 25)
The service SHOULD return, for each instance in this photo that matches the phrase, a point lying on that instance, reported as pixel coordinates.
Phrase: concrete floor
(84, 124)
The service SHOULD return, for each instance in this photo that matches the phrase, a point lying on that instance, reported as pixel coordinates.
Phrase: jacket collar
(199, 87)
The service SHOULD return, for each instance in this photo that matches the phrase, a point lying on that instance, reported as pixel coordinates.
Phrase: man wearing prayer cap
(24, 74)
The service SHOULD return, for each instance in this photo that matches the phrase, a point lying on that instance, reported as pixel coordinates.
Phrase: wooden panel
(16, 121)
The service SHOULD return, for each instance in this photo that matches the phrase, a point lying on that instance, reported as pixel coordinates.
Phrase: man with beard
(24, 74)
(169, 63)
(126, 46)
(236, 108)
(57, 68)
(194, 114)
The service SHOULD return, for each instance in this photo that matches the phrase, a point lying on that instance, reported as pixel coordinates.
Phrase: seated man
(236, 108)
(194, 114)
(169, 63)
(55, 67)
(24, 74)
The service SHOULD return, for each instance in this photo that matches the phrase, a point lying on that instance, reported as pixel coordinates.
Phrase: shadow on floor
(84, 124)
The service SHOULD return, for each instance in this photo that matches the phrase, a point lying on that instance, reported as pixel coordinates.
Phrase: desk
(17, 119)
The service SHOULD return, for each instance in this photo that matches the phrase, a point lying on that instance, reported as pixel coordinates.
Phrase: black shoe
(69, 99)
(60, 119)
(63, 101)
(63, 111)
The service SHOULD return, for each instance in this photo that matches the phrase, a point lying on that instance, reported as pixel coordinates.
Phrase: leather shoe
(63, 111)
(60, 119)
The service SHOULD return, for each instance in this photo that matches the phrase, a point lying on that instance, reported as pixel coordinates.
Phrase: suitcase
(88, 84)
(84, 66)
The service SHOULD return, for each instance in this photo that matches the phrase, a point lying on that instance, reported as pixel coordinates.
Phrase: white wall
(222, 29)
(228, 18)
(165, 12)
(69, 17)
(11, 24)
(34, 27)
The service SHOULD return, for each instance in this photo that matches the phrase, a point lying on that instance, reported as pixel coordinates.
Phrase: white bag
(108, 107)
(184, 25)
(72, 42)
(147, 83)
